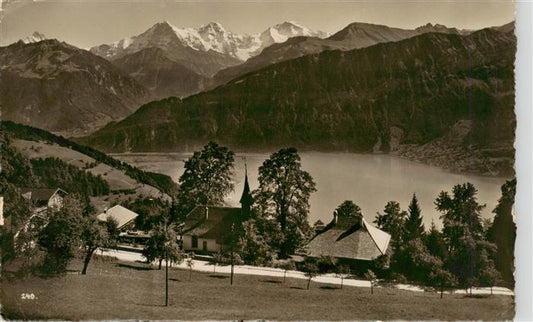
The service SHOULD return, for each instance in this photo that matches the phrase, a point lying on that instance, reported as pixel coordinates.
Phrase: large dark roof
(217, 225)
(41, 194)
(359, 240)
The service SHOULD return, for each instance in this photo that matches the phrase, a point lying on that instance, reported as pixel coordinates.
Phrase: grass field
(120, 290)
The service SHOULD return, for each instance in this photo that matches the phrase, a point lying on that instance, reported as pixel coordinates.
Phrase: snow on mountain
(212, 36)
(35, 37)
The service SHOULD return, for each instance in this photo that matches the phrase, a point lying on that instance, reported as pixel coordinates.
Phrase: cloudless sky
(93, 22)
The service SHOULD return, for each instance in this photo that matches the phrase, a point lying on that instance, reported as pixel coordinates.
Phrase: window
(194, 242)
(204, 245)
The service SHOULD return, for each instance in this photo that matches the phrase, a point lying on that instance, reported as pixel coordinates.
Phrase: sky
(88, 23)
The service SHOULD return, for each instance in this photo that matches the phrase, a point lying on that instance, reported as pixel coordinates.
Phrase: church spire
(246, 198)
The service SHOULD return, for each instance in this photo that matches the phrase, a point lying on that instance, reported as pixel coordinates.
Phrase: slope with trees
(396, 96)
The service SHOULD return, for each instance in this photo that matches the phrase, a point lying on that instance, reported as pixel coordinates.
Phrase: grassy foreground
(120, 290)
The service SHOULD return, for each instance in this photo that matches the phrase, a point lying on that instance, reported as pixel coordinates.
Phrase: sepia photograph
(258, 160)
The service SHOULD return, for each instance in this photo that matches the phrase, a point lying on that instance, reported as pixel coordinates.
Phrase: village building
(124, 217)
(210, 229)
(44, 198)
(351, 240)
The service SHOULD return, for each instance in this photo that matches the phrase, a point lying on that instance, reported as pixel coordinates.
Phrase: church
(210, 229)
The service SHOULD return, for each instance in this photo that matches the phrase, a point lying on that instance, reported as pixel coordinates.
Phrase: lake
(370, 180)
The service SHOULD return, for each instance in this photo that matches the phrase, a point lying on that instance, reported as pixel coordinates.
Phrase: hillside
(354, 36)
(56, 161)
(368, 100)
(162, 76)
(61, 88)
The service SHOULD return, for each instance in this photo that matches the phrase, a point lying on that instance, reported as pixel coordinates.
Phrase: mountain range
(354, 36)
(433, 94)
(448, 95)
(210, 37)
(173, 61)
(55, 86)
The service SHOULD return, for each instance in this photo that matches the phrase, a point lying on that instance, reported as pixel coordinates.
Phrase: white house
(209, 229)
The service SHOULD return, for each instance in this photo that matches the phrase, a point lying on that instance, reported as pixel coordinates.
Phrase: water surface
(370, 180)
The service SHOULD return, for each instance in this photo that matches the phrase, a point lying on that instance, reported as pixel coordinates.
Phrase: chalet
(209, 229)
(125, 218)
(350, 239)
(43, 198)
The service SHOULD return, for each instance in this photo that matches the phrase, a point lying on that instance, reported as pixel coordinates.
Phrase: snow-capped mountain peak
(213, 28)
(35, 37)
(212, 36)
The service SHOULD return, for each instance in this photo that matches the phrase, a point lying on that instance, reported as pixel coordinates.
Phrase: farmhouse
(350, 239)
(125, 218)
(43, 198)
(209, 229)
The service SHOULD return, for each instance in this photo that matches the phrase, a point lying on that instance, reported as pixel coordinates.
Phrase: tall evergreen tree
(414, 228)
(502, 232)
(435, 242)
(283, 193)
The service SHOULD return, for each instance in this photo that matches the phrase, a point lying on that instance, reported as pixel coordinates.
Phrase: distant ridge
(414, 92)
(61, 88)
(355, 35)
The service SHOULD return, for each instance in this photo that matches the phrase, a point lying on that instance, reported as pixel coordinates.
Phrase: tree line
(467, 251)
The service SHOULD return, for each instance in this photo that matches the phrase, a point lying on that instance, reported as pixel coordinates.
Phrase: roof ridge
(366, 224)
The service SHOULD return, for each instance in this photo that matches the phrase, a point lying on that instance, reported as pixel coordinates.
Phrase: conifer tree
(503, 232)
(414, 228)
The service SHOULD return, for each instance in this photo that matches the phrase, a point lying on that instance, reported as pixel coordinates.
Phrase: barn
(351, 240)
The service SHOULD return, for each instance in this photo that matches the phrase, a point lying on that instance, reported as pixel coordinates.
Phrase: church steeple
(246, 197)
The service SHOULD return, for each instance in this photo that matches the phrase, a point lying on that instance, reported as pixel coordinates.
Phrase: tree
(489, 276)
(371, 277)
(206, 179)
(435, 242)
(96, 235)
(287, 266)
(442, 278)
(463, 231)
(348, 209)
(342, 271)
(150, 211)
(232, 259)
(162, 244)
(217, 259)
(283, 193)
(190, 263)
(414, 228)
(326, 264)
(62, 235)
(392, 221)
(253, 247)
(414, 261)
(310, 269)
(502, 232)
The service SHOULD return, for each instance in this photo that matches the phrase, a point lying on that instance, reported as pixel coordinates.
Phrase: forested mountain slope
(413, 92)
